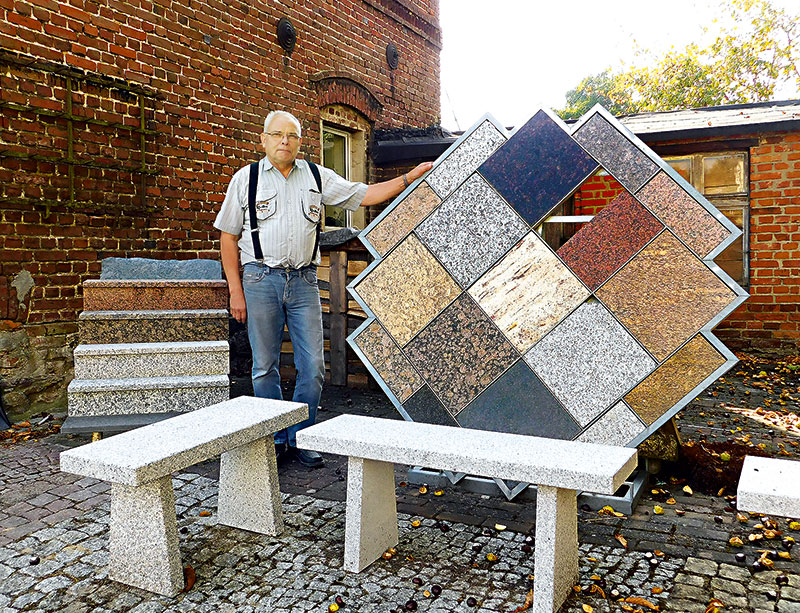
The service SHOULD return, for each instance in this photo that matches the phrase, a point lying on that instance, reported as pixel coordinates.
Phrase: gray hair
(273, 114)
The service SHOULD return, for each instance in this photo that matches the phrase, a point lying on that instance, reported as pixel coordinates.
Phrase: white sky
(512, 57)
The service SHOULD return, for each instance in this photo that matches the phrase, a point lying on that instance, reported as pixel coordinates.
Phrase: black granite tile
(519, 403)
(537, 168)
(629, 165)
(424, 406)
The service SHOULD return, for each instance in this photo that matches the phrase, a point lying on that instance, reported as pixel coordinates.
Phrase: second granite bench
(139, 464)
(770, 486)
(559, 468)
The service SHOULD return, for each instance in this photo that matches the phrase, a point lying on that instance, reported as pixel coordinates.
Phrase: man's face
(281, 149)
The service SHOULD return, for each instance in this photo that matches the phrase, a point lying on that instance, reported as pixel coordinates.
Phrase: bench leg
(249, 497)
(143, 544)
(371, 517)
(556, 551)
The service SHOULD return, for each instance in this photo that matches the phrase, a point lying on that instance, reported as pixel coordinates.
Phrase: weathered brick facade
(123, 121)
(770, 319)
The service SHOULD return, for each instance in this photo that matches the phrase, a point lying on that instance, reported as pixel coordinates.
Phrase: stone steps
(139, 395)
(154, 294)
(157, 326)
(134, 360)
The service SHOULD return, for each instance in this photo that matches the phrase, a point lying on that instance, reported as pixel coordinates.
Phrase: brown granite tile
(403, 218)
(675, 378)
(407, 289)
(146, 295)
(389, 362)
(602, 246)
(152, 326)
(460, 353)
(665, 295)
(687, 218)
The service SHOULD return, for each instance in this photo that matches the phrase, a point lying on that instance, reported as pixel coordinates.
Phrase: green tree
(754, 53)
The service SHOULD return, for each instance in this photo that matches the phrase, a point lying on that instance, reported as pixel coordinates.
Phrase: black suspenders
(251, 205)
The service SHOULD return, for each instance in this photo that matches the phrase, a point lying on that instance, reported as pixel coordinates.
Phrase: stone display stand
(144, 540)
(152, 345)
(770, 486)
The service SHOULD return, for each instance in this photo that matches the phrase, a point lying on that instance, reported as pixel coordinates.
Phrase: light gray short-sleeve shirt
(287, 208)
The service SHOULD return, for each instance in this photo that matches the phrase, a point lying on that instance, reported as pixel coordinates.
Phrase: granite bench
(559, 468)
(143, 542)
(769, 486)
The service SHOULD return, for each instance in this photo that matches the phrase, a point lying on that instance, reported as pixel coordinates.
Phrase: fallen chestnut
(411, 605)
(782, 580)
(471, 602)
(740, 558)
(33, 560)
(527, 548)
(416, 581)
(436, 590)
(339, 600)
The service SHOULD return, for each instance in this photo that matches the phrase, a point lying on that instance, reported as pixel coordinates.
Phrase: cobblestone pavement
(54, 538)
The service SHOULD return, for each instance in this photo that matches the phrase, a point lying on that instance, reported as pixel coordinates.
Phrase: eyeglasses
(290, 136)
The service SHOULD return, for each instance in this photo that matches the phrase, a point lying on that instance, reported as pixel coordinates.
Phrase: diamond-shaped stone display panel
(473, 320)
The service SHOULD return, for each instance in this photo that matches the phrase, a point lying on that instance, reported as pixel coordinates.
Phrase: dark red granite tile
(602, 246)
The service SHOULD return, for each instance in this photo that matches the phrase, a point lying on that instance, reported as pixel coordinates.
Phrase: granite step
(144, 394)
(154, 294)
(186, 325)
(126, 360)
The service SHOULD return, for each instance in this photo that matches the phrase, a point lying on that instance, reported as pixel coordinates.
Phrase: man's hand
(238, 308)
(416, 173)
(380, 192)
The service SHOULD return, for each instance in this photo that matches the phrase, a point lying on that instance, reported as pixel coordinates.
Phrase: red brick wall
(208, 72)
(595, 194)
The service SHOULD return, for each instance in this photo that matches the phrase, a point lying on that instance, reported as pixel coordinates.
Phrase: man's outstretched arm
(381, 192)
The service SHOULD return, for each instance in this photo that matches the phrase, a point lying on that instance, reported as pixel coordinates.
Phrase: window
(336, 156)
(722, 178)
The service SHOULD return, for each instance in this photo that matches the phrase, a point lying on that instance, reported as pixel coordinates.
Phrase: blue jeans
(275, 297)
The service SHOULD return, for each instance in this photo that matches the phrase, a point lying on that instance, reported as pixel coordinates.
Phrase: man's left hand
(417, 172)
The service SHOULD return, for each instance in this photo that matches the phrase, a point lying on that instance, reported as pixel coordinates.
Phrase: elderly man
(279, 284)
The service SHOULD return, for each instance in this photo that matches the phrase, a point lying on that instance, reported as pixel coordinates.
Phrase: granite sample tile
(147, 268)
(665, 295)
(589, 361)
(618, 426)
(424, 406)
(629, 164)
(153, 326)
(407, 289)
(518, 402)
(528, 292)
(603, 245)
(537, 168)
(388, 361)
(460, 353)
(147, 295)
(686, 217)
(464, 159)
(471, 230)
(675, 378)
(399, 222)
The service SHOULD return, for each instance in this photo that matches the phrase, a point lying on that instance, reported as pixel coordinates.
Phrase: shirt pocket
(266, 204)
(312, 205)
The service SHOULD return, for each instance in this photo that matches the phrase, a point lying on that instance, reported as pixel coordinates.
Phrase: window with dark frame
(336, 156)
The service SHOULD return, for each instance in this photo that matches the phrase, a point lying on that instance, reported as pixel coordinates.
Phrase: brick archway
(341, 88)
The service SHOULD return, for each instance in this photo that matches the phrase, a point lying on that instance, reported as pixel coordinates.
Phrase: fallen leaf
(527, 604)
(735, 541)
(642, 602)
(491, 557)
(423, 490)
(415, 523)
(659, 553)
(785, 555)
(189, 577)
(658, 510)
(596, 589)
(587, 608)
(687, 490)
(671, 501)
(438, 492)
(499, 527)
(656, 590)
(205, 513)
(622, 540)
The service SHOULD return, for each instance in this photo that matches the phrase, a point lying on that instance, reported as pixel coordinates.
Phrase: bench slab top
(770, 485)
(542, 461)
(154, 451)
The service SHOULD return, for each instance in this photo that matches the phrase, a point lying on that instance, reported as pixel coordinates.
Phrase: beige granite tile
(403, 218)
(528, 292)
(665, 295)
(675, 378)
(389, 362)
(407, 289)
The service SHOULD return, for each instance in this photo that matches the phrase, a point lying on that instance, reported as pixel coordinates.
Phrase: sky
(510, 58)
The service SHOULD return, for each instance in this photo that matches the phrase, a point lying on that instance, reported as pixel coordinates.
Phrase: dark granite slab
(629, 165)
(518, 402)
(665, 295)
(424, 406)
(537, 168)
(388, 361)
(686, 217)
(460, 353)
(602, 246)
(101, 327)
(675, 378)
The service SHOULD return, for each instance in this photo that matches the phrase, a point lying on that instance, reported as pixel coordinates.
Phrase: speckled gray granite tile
(618, 426)
(471, 230)
(465, 159)
(589, 361)
(147, 268)
(528, 292)
(122, 360)
(629, 165)
(144, 395)
(153, 326)
(460, 353)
